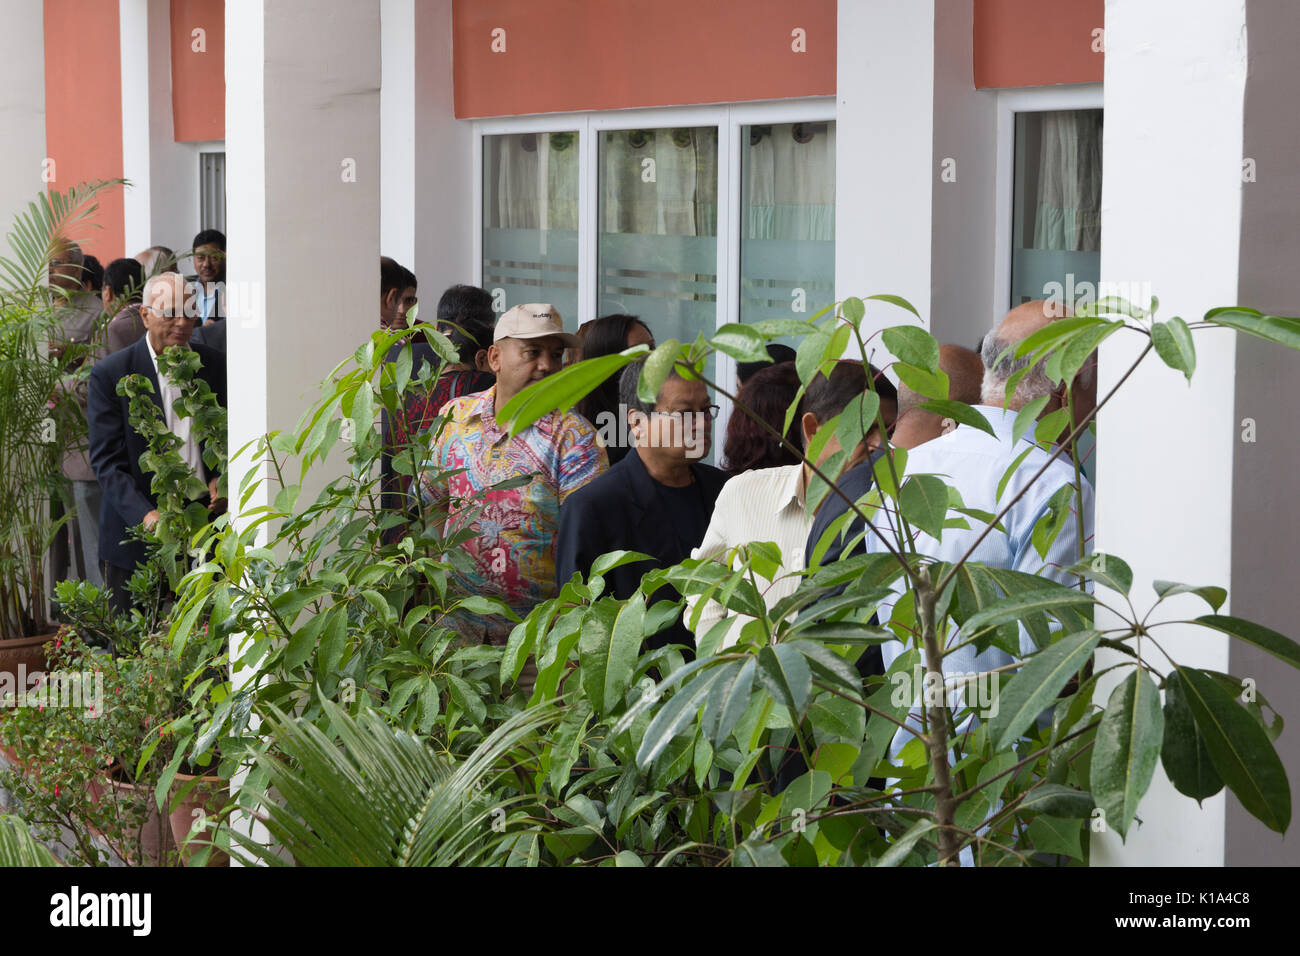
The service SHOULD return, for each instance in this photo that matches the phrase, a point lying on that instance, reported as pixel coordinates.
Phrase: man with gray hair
(975, 463)
(657, 499)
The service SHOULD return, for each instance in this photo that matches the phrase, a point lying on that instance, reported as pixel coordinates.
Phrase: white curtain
(536, 180)
(791, 187)
(1068, 215)
(660, 182)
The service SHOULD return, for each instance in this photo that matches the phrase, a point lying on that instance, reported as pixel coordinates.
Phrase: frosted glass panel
(787, 216)
(530, 220)
(658, 220)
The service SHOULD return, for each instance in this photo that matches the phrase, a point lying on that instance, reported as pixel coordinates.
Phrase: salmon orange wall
(83, 112)
(613, 54)
(1037, 42)
(198, 70)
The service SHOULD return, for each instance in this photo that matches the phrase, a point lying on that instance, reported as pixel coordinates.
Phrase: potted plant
(38, 422)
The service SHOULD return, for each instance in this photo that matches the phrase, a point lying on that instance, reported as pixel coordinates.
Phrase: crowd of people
(616, 472)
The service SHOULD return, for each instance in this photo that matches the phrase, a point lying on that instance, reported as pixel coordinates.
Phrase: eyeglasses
(681, 418)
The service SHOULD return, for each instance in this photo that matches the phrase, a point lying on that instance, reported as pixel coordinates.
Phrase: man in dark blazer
(115, 447)
(657, 500)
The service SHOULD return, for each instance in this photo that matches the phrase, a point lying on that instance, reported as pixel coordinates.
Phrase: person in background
(657, 500)
(769, 504)
(208, 289)
(116, 447)
(975, 464)
(779, 354)
(156, 260)
(465, 316)
(398, 293)
(512, 546)
(92, 274)
(767, 394)
(609, 335)
(916, 425)
(77, 311)
(123, 285)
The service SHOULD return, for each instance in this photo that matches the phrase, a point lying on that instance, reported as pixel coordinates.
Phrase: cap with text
(533, 321)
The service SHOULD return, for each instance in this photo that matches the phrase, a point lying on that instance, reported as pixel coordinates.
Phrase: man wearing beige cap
(513, 548)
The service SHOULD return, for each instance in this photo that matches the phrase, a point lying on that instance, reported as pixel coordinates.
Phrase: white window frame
(1083, 96)
(727, 117)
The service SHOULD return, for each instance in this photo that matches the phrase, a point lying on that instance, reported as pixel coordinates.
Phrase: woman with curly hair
(767, 394)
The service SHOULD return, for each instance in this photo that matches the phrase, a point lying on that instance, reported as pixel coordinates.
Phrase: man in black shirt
(657, 500)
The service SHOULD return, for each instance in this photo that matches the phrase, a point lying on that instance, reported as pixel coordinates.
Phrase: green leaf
(728, 699)
(656, 370)
(609, 654)
(1127, 748)
(924, 501)
(742, 342)
(674, 716)
(897, 300)
(1035, 687)
(775, 328)
(923, 381)
(1015, 607)
(853, 310)
(902, 848)
(1283, 648)
(1055, 835)
(303, 641)
(1050, 426)
(1027, 418)
(853, 424)
(959, 412)
(914, 346)
(785, 674)
(332, 645)
(810, 355)
(1173, 343)
(560, 390)
(1057, 800)
(1105, 569)
(1272, 328)
(616, 559)
(1240, 750)
(1184, 755)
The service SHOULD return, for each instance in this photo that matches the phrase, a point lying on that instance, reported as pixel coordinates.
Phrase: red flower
(56, 789)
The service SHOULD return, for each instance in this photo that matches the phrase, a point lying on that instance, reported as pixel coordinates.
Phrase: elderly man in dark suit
(115, 447)
(657, 500)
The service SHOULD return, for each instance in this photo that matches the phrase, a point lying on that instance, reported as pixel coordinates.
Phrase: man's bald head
(167, 310)
(918, 425)
(1016, 326)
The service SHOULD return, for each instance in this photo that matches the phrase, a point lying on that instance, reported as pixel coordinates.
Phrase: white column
(22, 106)
(1171, 216)
(133, 19)
(443, 200)
(173, 166)
(397, 121)
(884, 155)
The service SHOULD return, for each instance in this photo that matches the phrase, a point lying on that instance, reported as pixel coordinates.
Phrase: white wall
(397, 131)
(133, 37)
(443, 201)
(1171, 216)
(884, 127)
(22, 106)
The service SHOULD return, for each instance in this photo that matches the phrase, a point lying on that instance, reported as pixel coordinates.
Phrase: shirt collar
(792, 490)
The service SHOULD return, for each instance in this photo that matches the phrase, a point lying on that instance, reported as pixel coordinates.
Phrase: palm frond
(382, 797)
(18, 847)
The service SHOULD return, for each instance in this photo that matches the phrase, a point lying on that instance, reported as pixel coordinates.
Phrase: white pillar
(397, 121)
(1171, 216)
(884, 150)
(22, 106)
(302, 167)
(133, 19)
(442, 203)
(173, 166)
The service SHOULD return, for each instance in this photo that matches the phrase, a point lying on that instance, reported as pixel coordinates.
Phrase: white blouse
(762, 505)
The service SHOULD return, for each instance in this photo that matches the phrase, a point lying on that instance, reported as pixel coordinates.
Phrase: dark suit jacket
(116, 447)
(619, 511)
(213, 335)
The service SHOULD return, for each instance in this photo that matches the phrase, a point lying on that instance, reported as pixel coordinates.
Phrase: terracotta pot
(156, 841)
(207, 797)
(29, 652)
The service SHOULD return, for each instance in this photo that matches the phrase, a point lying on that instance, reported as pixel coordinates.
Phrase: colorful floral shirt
(514, 550)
